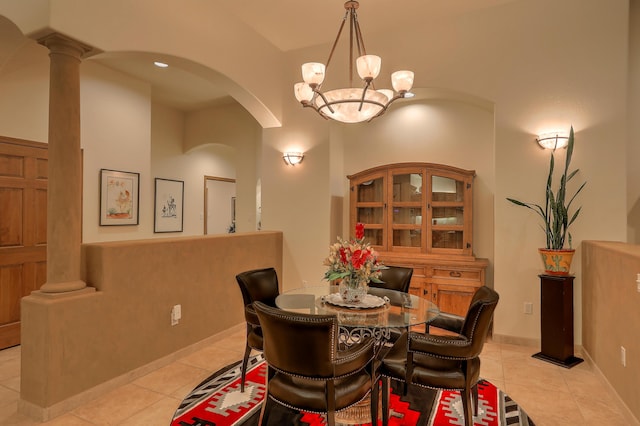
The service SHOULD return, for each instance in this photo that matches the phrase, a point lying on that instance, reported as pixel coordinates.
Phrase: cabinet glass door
(406, 210)
(370, 209)
(447, 213)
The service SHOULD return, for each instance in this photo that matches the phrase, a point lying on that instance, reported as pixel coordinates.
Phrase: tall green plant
(555, 214)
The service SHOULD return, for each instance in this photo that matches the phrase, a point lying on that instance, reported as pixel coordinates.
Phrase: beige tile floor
(551, 395)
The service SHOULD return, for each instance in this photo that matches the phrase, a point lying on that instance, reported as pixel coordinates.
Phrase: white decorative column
(64, 193)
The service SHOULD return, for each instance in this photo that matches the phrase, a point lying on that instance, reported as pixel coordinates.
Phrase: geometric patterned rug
(217, 401)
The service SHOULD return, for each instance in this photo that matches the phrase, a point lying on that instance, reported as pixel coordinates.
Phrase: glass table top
(397, 310)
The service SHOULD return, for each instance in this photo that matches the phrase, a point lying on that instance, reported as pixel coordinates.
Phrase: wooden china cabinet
(420, 215)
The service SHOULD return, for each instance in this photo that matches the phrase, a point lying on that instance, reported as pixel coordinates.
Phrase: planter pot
(557, 262)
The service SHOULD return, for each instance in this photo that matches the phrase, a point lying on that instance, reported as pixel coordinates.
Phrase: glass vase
(353, 289)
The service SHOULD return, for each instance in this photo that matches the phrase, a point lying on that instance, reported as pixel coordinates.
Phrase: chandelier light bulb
(402, 81)
(368, 66)
(313, 73)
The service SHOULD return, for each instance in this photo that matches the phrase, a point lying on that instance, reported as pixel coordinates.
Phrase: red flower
(358, 258)
(343, 255)
(359, 231)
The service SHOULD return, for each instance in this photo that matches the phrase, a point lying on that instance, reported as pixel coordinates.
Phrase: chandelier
(352, 104)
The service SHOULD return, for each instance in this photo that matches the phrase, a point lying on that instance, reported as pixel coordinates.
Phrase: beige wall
(74, 343)
(633, 147)
(611, 314)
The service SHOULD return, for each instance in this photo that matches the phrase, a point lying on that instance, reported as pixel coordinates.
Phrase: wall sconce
(292, 158)
(553, 140)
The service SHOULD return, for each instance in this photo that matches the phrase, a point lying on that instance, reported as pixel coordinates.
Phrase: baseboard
(44, 414)
(514, 340)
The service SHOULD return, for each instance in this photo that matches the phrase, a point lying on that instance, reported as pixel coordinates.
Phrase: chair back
(479, 316)
(395, 278)
(259, 285)
(298, 344)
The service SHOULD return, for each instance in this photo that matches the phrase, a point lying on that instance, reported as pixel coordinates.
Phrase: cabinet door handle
(455, 274)
(425, 292)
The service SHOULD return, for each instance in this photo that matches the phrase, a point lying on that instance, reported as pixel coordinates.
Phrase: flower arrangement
(353, 261)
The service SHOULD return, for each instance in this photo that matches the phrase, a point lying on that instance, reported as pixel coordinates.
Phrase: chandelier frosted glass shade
(368, 66)
(402, 81)
(348, 105)
(313, 73)
(351, 104)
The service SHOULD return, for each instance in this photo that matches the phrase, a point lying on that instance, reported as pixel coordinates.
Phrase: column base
(572, 361)
(63, 287)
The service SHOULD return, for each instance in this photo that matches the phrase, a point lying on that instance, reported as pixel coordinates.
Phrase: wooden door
(23, 229)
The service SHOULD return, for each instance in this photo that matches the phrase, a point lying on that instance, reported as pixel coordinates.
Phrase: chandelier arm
(349, 101)
(315, 108)
(364, 92)
(326, 102)
(382, 111)
(335, 43)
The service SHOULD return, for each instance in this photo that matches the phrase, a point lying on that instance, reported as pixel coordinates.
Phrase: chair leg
(263, 412)
(465, 394)
(474, 393)
(331, 403)
(385, 401)
(245, 360)
(375, 391)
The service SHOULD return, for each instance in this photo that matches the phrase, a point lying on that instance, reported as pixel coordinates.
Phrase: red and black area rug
(217, 401)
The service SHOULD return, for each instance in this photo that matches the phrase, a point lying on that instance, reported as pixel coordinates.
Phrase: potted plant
(556, 216)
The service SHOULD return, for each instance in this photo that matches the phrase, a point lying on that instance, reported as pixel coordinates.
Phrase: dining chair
(307, 371)
(255, 285)
(394, 278)
(443, 362)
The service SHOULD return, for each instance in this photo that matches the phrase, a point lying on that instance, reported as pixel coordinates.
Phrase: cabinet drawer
(457, 274)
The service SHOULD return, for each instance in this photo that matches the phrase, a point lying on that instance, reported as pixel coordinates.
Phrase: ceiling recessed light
(160, 64)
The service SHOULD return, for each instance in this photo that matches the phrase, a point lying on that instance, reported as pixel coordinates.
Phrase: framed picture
(169, 204)
(119, 197)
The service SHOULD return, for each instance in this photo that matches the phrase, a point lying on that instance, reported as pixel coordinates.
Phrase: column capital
(60, 43)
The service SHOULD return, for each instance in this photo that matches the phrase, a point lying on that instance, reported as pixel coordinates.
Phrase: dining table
(377, 315)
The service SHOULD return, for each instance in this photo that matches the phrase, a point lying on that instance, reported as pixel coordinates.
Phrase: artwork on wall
(169, 204)
(119, 197)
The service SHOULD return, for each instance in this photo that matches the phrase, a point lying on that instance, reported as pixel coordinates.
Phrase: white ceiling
(287, 24)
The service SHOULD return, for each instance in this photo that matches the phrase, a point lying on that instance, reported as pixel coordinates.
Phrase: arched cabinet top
(428, 166)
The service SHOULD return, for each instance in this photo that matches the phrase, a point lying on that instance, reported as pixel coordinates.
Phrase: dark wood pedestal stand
(556, 321)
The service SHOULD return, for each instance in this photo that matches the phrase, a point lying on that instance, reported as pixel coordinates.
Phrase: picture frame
(119, 198)
(169, 205)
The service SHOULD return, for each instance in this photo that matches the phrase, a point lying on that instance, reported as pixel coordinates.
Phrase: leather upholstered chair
(395, 278)
(255, 285)
(307, 371)
(444, 362)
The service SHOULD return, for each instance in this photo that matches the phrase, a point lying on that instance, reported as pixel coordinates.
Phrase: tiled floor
(551, 395)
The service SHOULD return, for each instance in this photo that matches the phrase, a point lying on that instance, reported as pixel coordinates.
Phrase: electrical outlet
(623, 356)
(528, 308)
(638, 283)
(176, 314)
(305, 283)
